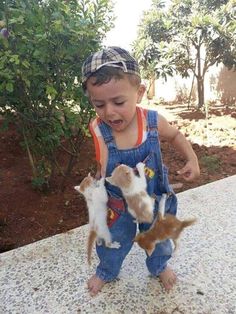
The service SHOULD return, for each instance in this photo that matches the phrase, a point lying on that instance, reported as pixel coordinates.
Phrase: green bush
(40, 74)
(212, 163)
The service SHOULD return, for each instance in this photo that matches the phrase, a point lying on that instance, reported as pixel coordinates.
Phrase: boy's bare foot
(95, 285)
(168, 278)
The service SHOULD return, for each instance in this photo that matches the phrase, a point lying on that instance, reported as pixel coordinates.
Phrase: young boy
(124, 133)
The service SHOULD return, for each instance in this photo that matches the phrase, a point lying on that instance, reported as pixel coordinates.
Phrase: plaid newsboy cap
(111, 56)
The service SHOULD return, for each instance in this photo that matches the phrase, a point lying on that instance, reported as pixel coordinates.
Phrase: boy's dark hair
(106, 73)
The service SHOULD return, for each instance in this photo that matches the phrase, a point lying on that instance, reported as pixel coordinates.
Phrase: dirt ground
(27, 215)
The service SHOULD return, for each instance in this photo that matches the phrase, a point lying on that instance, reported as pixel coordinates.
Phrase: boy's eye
(118, 103)
(98, 105)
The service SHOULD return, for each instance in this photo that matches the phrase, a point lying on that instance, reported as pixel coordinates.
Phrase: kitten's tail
(189, 222)
(162, 203)
(91, 239)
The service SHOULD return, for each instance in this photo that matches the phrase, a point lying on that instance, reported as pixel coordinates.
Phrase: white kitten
(96, 197)
(140, 204)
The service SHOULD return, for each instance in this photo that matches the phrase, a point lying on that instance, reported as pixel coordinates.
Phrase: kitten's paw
(115, 245)
(99, 242)
(140, 166)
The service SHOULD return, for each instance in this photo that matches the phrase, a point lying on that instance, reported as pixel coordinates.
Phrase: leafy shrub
(40, 74)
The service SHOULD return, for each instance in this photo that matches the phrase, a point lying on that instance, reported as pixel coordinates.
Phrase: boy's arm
(191, 169)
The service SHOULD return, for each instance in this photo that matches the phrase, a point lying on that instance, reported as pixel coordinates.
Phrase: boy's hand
(190, 171)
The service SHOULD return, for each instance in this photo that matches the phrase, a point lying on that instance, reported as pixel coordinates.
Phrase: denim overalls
(121, 223)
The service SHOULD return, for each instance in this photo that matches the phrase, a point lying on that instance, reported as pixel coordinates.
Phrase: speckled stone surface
(50, 276)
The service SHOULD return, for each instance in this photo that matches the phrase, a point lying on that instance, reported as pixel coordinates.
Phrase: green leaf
(14, 59)
(9, 87)
(26, 64)
(50, 90)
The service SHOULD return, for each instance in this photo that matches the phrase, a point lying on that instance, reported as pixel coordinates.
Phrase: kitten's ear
(102, 180)
(150, 251)
(89, 175)
(109, 179)
(77, 188)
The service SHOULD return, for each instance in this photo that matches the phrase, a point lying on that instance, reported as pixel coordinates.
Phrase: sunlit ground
(219, 129)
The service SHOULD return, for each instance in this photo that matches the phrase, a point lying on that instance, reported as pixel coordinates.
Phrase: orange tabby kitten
(164, 227)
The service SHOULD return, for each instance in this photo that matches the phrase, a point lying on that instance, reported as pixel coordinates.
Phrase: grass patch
(212, 163)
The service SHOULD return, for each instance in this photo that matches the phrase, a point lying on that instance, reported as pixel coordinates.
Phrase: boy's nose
(109, 109)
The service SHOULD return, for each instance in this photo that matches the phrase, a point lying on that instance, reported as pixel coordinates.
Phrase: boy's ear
(141, 91)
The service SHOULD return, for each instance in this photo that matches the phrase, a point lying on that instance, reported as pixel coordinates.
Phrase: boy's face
(115, 101)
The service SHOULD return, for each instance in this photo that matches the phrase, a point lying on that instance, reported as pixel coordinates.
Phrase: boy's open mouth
(115, 122)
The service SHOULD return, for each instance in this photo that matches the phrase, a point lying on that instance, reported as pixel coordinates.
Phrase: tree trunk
(191, 90)
(151, 89)
(200, 80)
(200, 91)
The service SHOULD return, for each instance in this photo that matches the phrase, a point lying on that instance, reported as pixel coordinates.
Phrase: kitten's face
(121, 176)
(85, 184)
(145, 243)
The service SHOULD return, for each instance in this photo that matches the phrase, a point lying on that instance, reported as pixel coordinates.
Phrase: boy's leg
(122, 231)
(168, 278)
(157, 264)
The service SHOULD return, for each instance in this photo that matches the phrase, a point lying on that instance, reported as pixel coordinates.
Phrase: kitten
(140, 204)
(96, 198)
(164, 227)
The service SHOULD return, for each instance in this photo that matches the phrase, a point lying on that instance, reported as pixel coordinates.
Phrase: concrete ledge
(50, 276)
